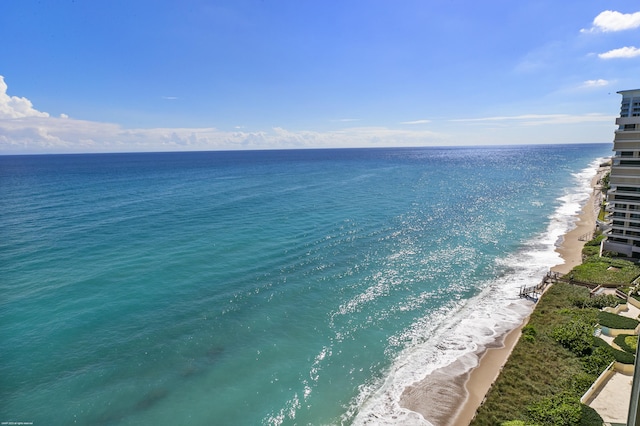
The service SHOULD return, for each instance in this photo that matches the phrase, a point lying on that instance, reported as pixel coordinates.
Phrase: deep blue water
(271, 287)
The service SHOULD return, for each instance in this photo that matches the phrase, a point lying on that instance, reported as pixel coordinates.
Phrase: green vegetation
(598, 302)
(605, 271)
(560, 409)
(550, 370)
(592, 248)
(558, 357)
(575, 336)
(631, 342)
(555, 362)
(529, 333)
(610, 320)
(632, 291)
(605, 183)
(620, 356)
(627, 342)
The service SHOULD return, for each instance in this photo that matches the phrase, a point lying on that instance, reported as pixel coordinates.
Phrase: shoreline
(481, 377)
(460, 395)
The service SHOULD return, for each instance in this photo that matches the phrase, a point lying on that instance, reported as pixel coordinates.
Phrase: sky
(159, 75)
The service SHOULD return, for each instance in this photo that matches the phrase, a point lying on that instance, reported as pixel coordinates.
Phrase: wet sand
(574, 240)
(450, 396)
(459, 395)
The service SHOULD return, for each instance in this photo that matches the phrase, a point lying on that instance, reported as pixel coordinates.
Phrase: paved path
(612, 402)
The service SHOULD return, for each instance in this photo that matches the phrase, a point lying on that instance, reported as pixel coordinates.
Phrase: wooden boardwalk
(535, 291)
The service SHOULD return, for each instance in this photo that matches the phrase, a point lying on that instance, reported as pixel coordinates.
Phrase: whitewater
(267, 287)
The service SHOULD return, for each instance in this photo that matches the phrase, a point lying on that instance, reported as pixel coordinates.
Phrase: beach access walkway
(534, 292)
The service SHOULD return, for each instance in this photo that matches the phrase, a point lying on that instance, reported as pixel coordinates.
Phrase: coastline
(460, 395)
(573, 241)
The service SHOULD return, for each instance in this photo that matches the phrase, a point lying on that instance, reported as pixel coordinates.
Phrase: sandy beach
(460, 395)
(573, 241)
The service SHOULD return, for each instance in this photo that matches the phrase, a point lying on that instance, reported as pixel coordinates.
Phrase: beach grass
(605, 271)
(552, 367)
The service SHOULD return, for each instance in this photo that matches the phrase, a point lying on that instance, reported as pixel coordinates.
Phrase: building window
(627, 189)
(617, 240)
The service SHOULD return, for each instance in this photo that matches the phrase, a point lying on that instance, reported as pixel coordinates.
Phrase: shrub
(598, 360)
(585, 315)
(607, 319)
(529, 333)
(595, 242)
(590, 417)
(563, 409)
(620, 356)
(581, 382)
(623, 357)
(597, 302)
(595, 269)
(631, 342)
(575, 336)
(590, 250)
(627, 342)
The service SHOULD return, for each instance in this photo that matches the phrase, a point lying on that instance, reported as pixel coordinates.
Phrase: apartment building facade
(623, 197)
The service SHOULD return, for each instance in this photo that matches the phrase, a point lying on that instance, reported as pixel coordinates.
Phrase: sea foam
(459, 332)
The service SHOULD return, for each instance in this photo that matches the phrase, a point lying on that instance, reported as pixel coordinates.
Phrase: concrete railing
(600, 381)
(635, 302)
(626, 369)
(623, 307)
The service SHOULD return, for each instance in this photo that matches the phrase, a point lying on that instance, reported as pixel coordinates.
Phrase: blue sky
(139, 75)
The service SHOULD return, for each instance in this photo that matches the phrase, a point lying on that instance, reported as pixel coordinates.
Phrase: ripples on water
(265, 287)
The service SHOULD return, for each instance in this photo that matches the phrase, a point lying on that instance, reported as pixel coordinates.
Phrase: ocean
(266, 287)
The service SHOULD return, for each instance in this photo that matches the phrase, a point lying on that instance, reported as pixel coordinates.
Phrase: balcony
(626, 136)
(623, 121)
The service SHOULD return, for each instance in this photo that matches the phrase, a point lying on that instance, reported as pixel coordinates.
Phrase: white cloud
(610, 21)
(50, 135)
(24, 130)
(416, 122)
(15, 107)
(595, 83)
(623, 52)
(542, 119)
(346, 120)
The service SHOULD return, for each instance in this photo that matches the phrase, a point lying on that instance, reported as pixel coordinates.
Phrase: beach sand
(571, 248)
(459, 395)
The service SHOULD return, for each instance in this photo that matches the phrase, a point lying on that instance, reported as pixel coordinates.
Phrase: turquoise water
(273, 287)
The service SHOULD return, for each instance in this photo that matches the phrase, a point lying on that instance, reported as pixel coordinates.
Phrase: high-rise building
(623, 197)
